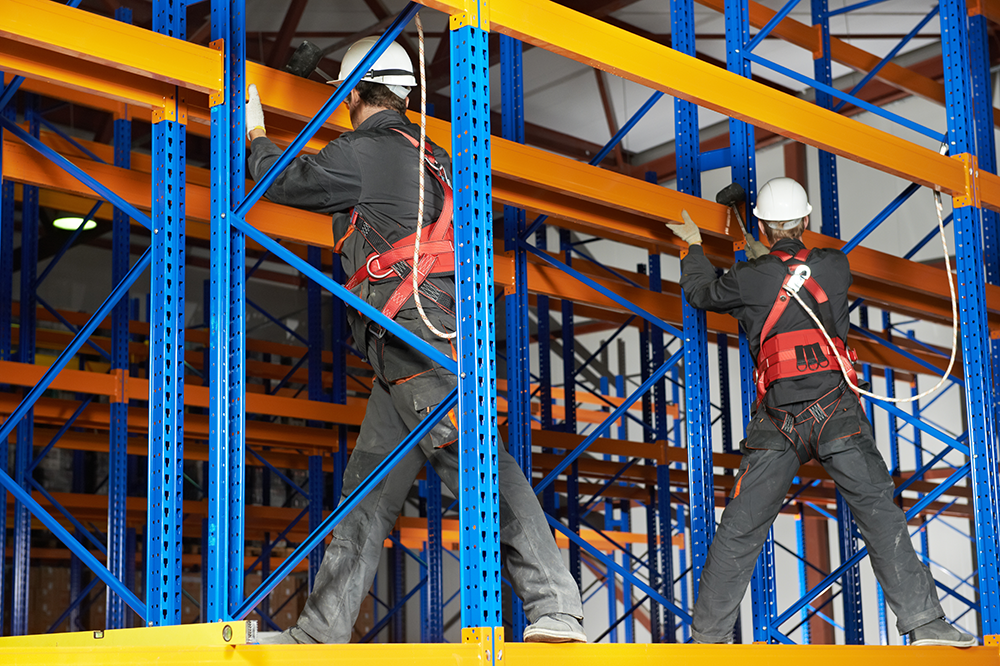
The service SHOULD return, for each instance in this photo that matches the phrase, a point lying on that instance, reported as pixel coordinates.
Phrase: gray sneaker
(939, 632)
(291, 636)
(555, 628)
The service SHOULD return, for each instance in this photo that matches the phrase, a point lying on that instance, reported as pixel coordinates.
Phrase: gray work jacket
(374, 170)
(748, 291)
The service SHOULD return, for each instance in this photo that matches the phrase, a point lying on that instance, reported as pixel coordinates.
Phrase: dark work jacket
(748, 291)
(374, 170)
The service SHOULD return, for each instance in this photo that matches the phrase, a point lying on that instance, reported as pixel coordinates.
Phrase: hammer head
(304, 60)
(731, 195)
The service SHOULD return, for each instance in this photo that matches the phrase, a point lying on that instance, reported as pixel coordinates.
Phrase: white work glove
(687, 232)
(254, 112)
(754, 248)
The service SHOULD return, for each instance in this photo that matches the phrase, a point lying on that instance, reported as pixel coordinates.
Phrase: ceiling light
(73, 223)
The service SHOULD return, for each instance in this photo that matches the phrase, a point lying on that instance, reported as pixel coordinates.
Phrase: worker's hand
(254, 114)
(687, 232)
(754, 248)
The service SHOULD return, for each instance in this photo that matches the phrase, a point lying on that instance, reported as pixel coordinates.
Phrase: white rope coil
(420, 198)
(845, 365)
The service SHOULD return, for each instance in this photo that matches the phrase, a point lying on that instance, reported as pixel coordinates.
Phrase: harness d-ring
(800, 274)
(373, 274)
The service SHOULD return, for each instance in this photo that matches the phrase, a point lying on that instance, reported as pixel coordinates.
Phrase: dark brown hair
(795, 232)
(379, 96)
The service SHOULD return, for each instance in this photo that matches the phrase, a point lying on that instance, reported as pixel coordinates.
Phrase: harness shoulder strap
(781, 300)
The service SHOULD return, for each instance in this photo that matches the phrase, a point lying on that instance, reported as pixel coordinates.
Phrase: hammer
(732, 195)
(304, 60)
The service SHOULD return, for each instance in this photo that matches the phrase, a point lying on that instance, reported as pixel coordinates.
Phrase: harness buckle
(372, 274)
(800, 274)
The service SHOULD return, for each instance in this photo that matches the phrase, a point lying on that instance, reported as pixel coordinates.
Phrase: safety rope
(420, 198)
(844, 365)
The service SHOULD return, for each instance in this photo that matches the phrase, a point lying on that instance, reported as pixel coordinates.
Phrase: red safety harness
(391, 260)
(803, 352)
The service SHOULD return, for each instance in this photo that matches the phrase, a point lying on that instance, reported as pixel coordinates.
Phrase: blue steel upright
(24, 451)
(166, 372)
(516, 297)
(972, 304)
(115, 609)
(569, 415)
(742, 148)
(317, 482)
(224, 578)
(434, 612)
(477, 414)
(982, 95)
(822, 69)
(830, 201)
(701, 484)
(663, 527)
(6, 351)
(217, 480)
(235, 96)
(653, 540)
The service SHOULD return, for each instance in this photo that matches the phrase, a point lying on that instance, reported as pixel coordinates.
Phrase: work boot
(291, 636)
(939, 632)
(555, 628)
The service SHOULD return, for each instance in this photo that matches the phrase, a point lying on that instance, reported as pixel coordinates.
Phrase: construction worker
(805, 410)
(367, 180)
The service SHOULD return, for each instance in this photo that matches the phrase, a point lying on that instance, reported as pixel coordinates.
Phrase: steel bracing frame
(575, 435)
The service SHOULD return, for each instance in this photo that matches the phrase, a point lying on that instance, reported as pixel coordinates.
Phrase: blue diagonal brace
(336, 100)
(331, 521)
(339, 291)
(619, 569)
(821, 587)
(67, 354)
(77, 173)
(69, 540)
(609, 421)
(604, 291)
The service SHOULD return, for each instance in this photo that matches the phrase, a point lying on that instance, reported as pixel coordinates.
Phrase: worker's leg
(763, 480)
(351, 559)
(847, 451)
(534, 562)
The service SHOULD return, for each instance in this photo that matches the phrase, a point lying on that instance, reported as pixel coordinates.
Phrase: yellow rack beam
(601, 45)
(184, 653)
(53, 38)
(212, 634)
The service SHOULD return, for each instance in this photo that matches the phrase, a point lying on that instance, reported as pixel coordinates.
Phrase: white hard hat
(782, 200)
(392, 69)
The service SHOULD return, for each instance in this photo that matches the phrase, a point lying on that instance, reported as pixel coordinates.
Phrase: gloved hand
(687, 232)
(754, 248)
(254, 112)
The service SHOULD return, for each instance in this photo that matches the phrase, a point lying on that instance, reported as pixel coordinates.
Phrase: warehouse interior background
(572, 110)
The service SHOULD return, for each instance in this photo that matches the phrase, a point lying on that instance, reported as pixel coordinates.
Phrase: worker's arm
(703, 288)
(327, 182)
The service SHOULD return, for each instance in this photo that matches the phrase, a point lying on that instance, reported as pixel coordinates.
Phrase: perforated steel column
(478, 502)
(972, 306)
(516, 297)
(6, 352)
(166, 372)
(115, 609)
(24, 451)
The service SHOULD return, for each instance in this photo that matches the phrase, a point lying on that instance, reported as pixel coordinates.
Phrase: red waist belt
(797, 354)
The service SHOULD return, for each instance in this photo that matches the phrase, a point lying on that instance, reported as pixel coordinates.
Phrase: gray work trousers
(534, 563)
(838, 435)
